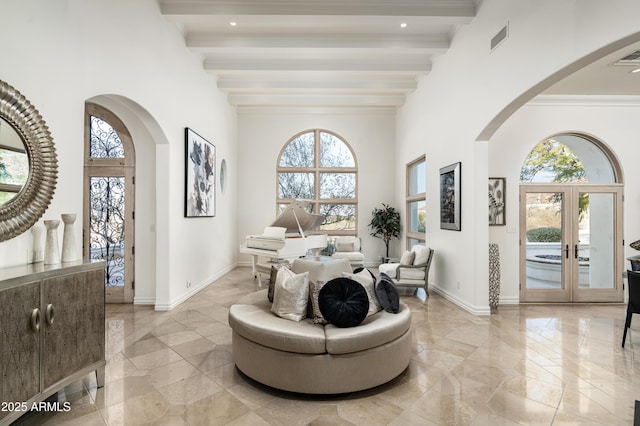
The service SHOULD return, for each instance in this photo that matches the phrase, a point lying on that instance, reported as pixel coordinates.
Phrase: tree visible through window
(320, 166)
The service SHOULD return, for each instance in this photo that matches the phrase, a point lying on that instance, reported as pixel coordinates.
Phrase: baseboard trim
(475, 310)
(195, 289)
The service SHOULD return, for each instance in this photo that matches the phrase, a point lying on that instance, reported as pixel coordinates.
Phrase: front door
(571, 243)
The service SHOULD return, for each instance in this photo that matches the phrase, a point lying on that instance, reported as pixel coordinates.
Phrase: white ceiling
(328, 53)
(318, 53)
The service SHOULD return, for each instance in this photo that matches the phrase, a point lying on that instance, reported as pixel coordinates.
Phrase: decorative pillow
(387, 293)
(343, 302)
(345, 246)
(407, 258)
(272, 281)
(360, 269)
(314, 293)
(291, 294)
(366, 280)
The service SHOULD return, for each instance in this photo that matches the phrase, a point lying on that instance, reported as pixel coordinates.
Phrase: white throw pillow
(291, 295)
(365, 279)
(407, 258)
(422, 255)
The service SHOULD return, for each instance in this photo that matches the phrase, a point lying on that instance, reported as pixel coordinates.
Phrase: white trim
(585, 100)
(144, 300)
(194, 290)
(511, 300)
(475, 310)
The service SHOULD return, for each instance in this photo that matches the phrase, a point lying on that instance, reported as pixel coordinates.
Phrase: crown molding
(586, 100)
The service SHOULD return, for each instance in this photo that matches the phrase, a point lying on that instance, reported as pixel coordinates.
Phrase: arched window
(320, 166)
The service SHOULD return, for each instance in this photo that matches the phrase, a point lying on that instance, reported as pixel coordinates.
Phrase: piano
(287, 237)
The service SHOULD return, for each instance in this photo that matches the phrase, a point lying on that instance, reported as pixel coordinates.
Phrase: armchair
(348, 247)
(414, 273)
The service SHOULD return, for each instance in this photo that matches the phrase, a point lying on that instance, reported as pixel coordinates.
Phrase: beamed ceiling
(318, 53)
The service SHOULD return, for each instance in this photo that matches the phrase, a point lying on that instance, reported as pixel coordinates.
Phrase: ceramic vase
(69, 238)
(37, 253)
(51, 249)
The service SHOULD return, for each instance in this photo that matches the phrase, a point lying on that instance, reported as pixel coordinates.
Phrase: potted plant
(385, 224)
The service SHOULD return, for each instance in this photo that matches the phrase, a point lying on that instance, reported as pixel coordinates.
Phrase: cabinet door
(19, 344)
(75, 337)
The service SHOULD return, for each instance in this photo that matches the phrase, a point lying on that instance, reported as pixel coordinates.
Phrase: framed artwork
(200, 176)
(450, 197)
(497, 201)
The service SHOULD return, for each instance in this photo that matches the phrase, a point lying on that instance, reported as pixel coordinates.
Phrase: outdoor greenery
(385, 224)
(556, 160)
(544, 235)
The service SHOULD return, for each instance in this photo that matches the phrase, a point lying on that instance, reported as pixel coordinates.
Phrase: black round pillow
(343, 302)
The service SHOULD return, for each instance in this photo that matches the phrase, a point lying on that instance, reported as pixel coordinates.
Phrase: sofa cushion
(389, 269)
(272, 279)
(321, 270)
(314, 293)
(367, 280)
(291, 295)
(422, 254)
(387, 293)
(375, 330)
(343, 302)
(256, 323)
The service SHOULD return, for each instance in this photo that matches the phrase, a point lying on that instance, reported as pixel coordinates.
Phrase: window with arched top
(320, 166)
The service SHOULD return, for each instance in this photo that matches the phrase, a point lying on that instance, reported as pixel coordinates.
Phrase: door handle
(566, 251)
(35, 319)
(48, 314)
(575, 251)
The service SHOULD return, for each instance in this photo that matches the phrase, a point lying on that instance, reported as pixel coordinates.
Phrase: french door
(571, 246)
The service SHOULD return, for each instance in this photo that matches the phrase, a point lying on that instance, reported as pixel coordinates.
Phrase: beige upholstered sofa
(318, 359)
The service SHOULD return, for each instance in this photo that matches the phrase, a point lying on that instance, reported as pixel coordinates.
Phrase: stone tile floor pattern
(525, 365)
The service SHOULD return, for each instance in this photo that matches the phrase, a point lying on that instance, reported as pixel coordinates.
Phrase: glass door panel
(544, 246)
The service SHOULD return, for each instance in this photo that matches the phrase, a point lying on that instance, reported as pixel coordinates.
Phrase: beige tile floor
(526, 365)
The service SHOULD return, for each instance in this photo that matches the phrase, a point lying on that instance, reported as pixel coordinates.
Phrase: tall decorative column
(69, 238)
(51, 250)
(494, 277)
(37, 253)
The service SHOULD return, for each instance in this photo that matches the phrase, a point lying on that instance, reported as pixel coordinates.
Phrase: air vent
(500, 36)
(631, 59)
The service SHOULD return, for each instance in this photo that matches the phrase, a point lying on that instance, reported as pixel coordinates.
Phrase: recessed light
(403, 25)
(233, 23)
(635, 70)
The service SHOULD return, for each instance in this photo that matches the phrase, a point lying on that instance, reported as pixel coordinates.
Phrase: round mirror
(28, 164)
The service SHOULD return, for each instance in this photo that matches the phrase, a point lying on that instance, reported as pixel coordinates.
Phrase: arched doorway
(571, 222)
(109, 177)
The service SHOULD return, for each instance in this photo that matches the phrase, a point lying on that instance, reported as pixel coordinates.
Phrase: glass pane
(105, 142)
(417, 216)
(596, 234)
(300, 152)
(413, 242)
(338, 217)
(337, 185)
(417, 178)
(334, 152)
(544, 241)
(106, 223)
(14, 167)
(295, 185)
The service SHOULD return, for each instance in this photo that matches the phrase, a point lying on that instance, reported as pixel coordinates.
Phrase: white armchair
(413, 268)
(348, 247)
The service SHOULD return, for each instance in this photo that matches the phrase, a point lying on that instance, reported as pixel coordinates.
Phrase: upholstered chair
(348, 247)
(413, 268)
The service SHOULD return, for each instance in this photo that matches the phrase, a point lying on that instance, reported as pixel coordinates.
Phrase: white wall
(613, 121)
(467, 88)
(60, 53)
(261, 136)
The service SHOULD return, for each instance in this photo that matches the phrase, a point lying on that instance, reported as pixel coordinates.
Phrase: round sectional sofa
(318, 359)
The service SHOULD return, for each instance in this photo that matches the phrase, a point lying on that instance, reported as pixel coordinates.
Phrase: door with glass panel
(108, 207)
(571, 243)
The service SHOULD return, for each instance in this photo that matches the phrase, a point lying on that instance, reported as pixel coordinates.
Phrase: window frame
(412, 198)
(317, 170)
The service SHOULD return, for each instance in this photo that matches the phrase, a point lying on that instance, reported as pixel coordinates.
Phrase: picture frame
(497, 201)
(450, 197)
(200, 176)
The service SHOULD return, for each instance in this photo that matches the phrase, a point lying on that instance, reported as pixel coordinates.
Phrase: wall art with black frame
(200, 176)
(497, 186)
(450, 197)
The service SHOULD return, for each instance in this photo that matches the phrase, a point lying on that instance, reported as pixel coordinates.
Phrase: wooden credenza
(52, 331)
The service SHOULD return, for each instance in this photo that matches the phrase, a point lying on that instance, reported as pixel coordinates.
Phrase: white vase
(37, 253)
(51, 250)
(69, 238)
